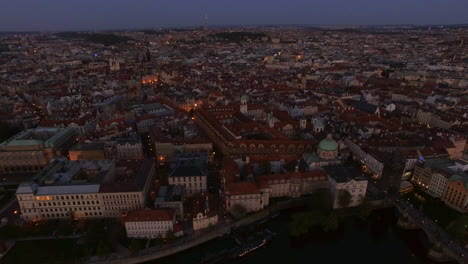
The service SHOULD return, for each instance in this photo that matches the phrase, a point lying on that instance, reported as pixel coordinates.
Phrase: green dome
(319, 123)
(244, 97)
(328, 144)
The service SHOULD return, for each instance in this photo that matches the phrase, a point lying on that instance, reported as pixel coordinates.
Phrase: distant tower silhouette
(114, 65)
(205, 26)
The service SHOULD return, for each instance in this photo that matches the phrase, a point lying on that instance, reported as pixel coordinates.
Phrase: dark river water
(376, 240)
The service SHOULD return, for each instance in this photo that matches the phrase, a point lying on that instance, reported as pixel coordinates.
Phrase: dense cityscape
(135, 146)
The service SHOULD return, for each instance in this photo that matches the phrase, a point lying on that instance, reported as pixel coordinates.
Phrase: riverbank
(220, 230)
(375, 239)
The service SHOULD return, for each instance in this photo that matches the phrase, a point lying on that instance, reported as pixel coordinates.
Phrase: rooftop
(328, 144)
(169, 193)
(344, 174)
(33, 139)
(150, 215)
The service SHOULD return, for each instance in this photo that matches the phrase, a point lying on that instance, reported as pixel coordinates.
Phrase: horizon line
(240, 25)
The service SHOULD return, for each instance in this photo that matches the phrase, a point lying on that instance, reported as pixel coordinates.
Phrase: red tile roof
(177, 228)
(163, 214)
(242, 188)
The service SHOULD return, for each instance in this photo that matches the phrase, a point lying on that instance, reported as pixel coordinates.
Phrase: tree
(302, 222)
(303, 166)
(170, 235)
(297, 135)
(320, 199)
(135, 245)
(330, 222)
(344, 198)
(458, 228)
(238, 211)
(104, 248)
(64, 228)
(266, 167)
(364, 209)
(6, 132)
(245, 172)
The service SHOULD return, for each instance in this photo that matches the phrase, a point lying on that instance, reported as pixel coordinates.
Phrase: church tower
(302, 123)
(72, 87)
(243, 105)
(270, 120)
(114, 65)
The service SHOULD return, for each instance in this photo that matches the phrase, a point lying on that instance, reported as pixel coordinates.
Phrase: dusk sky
(49, 15)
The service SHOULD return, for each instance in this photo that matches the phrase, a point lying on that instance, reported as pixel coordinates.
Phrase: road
(8, 211)
(430, 226)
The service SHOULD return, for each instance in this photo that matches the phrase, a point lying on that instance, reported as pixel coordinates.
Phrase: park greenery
(53, 251)
(97, 241)
(105, 39)
(265, 167)
(37, 229)
(319, 213)
(136, 244)
(321, 200)
(238, 211)
(303, 222)
(238, 36)
(344, 198)
(458, 228)
(153, 32)
(5, 197)
(6, 132)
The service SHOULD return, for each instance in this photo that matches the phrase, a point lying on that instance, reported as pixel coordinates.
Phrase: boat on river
(261, 240)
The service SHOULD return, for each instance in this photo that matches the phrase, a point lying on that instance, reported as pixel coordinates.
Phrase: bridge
(412, 218)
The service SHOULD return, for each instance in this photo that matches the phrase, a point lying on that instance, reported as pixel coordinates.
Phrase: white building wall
(203, 221)
(437, 185)
(251, 202)
(192, 184)
(357, 189)
(148, 229)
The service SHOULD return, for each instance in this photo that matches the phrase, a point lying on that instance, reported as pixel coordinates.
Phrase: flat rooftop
(169, 193)
(87, 146)
(34, 139)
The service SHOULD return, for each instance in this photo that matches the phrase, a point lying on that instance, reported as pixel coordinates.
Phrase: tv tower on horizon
(205, 26)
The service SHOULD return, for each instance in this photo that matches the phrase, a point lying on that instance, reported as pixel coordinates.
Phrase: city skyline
(202, 131)
(26, 15)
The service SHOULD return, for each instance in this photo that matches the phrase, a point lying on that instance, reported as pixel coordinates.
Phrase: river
(376, 240)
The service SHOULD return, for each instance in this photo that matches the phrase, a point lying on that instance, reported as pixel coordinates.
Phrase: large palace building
(86, 189)
(31, 150)
(235, 133)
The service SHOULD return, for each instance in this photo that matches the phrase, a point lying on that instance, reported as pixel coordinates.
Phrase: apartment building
(346, 179)
(31, 150)
(154, 223)
(190, 171)
(85, 189)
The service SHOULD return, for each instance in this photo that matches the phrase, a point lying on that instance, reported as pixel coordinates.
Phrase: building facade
(150, 224)
(346, 179)
(246, 194)
(31, 150)
(84, 189)
(438, 183)
(190, 171)
(456, 193)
